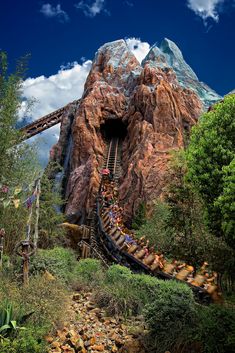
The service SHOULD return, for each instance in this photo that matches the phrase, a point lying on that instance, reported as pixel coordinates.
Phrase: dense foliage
(58, 261)
(211, 166)
(171, 315)
(50, 233)
(18, 166)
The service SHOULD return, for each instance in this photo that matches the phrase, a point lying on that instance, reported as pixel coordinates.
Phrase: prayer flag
(16, 202)
(17, 191)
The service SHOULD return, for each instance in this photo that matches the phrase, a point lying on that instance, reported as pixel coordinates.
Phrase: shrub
(170, 314)
(59, 262)
(37, 307)
(216, 329)
(42, 299)
(89, 272)
(115, 294)
(24, 343)
(145, 288)
(45, 299)
(117, 273)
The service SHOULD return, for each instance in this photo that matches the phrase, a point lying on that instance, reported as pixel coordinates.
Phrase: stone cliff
(149, 103)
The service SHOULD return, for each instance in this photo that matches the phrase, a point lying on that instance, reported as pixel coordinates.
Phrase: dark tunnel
(113, 128)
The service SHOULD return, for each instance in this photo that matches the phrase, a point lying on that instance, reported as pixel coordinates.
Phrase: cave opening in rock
(113, 128)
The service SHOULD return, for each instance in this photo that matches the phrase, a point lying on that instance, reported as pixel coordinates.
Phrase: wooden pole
(2, 234)
(38, 192)
(1, 252)
(25, 256)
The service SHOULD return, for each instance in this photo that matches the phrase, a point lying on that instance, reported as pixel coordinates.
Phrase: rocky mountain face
(169, 55)
(151, 105)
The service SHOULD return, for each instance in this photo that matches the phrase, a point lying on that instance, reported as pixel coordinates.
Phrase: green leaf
(4, 328)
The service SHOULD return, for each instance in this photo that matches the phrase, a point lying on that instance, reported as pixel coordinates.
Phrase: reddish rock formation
(157, 112)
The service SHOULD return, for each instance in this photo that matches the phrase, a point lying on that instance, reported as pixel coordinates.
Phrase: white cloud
(54, 11)
(128, 3)
(138, 48)
(50, 94)
(206, 8)
(92, 8)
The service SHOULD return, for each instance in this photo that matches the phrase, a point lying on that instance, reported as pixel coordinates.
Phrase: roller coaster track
(44, 123)
(110, 240)
(112, 160)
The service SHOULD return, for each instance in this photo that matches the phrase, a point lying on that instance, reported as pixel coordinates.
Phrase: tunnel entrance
(113, 128)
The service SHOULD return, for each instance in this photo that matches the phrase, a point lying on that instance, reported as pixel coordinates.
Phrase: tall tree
(211, 166)
(18, 166)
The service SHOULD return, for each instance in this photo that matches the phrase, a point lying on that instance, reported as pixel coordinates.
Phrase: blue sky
(56, 33)
(63, 36)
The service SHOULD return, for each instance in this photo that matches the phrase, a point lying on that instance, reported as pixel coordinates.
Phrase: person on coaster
(158, 262)
(149, 256)
(201, 276)
(128, 242)
(141, 241)
(211, 282)
(105, 171)
(190, 277)
(170, 267)
(203, 268)
(183, 271)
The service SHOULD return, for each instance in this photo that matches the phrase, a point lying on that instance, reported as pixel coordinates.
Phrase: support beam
(44, 123)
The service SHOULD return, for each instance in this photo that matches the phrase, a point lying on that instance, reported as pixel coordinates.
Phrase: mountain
(169, 55)
(152, 107)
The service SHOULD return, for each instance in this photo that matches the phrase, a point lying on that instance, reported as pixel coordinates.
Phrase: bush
(37, 307)
(117, 273)
(59, 262)
(39, 303)
(216, 329)
(170, 314)
(45, 299)
(89, 272)
(24, 343)
(116, 294)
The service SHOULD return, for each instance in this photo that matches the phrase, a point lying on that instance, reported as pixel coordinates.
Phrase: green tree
(18, 166)
(226, 202)
(139, 217)
(211, 168)
(157, 228)
(51, 204)
(191, 237)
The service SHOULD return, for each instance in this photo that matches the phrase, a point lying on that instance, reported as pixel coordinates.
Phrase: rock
(132, 346)
(67, 349)
(84, 335)
(92, 341)
(95, 311)
(76, 297)
(55, 344)
(48, 276)
(49, 339)
(99, 348)
(114, 349)
(55, 350)
(118, 340)
(62, 334)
